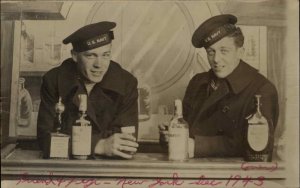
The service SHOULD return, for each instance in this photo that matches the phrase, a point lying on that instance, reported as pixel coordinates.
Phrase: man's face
(93, 64)
(224, 56)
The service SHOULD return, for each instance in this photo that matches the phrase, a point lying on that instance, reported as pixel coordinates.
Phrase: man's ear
(241, 51)
(74, 55)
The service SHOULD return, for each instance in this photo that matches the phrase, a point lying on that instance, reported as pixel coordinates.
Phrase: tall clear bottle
(259, 142)
(144, 99)
(82, 132)
(25, 106)
(178, 135)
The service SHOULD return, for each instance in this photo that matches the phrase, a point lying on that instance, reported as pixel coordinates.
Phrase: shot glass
(131, 131)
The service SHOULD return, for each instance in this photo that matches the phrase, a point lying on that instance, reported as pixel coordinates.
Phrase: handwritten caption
(233, 180)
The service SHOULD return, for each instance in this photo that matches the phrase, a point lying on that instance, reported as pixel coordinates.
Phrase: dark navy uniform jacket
(217, 119)
(112, 103)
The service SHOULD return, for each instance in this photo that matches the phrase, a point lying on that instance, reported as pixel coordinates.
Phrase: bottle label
(258, 135)
(59, 145)
(81, 140)
(256, 157)
(178, 143)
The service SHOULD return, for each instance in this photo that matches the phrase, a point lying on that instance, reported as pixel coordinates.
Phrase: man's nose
(217, 57)
(97, 62)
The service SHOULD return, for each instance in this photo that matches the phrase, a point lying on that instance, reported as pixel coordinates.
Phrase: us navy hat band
(91, 36)
(213, 30)
(94, 42)
(218, 34)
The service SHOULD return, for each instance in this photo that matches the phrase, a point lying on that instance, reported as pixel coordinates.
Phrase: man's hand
(118, 144)
(191, 144)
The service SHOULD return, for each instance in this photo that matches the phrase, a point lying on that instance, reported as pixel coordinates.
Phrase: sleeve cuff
(208, 146)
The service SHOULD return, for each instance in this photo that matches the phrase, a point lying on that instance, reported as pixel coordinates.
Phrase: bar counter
(147, 165)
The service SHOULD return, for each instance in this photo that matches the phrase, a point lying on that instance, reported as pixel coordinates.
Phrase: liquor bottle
(25, 106)
(144, 97)
(178, 135)
(59, 143)
(82, 132)
(259, 136)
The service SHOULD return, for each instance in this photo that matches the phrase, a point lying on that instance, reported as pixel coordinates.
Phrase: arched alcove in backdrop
(152, 38)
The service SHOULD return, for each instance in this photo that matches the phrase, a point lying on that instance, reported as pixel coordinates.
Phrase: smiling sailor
(217, 102)
(112, 93)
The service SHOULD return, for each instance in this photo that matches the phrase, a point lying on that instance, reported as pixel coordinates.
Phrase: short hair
(238, 37)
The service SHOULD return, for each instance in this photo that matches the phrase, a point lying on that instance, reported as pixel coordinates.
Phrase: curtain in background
(276, 70)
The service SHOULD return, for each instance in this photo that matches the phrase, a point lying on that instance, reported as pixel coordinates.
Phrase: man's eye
(210, 53)
(106, 55)
(224, 51)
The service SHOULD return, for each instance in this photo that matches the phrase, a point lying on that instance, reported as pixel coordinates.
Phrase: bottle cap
(82, 102)
(178, 102)
(21, 80)
(128, 129)
(257, 96)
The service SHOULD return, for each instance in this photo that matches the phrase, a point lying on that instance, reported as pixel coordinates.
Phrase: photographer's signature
(233, 180)
(173, 181)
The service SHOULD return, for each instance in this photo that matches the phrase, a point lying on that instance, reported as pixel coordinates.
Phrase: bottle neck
(179, 115)
(82, 121)
(82, 114)
(258, 110)
(258, 104)
(178, 112)
(21, 86)
(178, 108)
(82, 103)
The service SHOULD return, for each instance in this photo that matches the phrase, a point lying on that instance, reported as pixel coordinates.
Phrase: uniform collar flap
(241, 77)
(113, 79)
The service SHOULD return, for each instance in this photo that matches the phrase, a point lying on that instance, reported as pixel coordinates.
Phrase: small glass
(131, 131)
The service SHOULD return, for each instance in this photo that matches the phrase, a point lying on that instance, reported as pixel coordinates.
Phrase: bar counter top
(146, 165)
